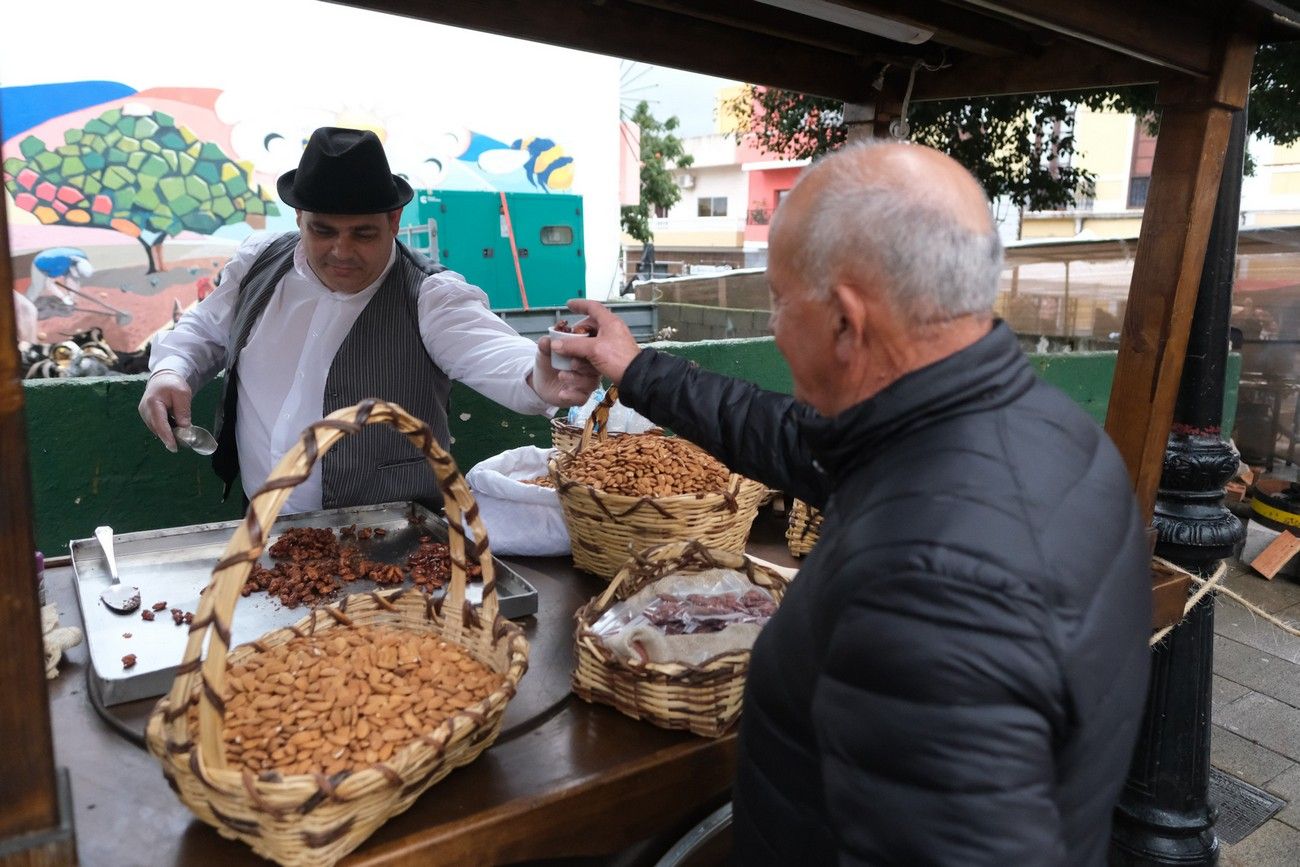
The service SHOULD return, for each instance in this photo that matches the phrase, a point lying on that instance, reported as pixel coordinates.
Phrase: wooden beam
(625, 29)
(964, 29)
(757, 18)
(1174, 36)
(1065, 65)
(28, 788)
(1194, 126)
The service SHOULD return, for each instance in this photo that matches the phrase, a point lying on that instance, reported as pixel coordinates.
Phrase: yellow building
(1117, 149)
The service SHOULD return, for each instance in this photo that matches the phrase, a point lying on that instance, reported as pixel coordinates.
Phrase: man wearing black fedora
(308, 322)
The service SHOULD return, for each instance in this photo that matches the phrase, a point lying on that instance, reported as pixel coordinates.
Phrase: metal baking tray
(174, 565)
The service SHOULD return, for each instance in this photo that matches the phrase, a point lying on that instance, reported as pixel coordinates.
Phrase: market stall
(567, 778)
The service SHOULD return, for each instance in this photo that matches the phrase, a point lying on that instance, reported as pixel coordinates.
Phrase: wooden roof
(977, 47)
(1254, 241)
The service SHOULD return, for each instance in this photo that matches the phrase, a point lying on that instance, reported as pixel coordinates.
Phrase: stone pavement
(1256, 708)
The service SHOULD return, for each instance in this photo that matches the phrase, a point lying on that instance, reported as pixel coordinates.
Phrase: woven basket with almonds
(625, 495)
(704, 698)
(385, 692)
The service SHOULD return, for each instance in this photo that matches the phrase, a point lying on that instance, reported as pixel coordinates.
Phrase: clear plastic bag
(621, 418)
(687, 617)
(701, 612)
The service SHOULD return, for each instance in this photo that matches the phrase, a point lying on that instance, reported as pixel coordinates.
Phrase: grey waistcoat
(382, 356)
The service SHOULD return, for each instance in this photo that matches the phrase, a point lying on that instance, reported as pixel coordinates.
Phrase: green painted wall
(93, 462)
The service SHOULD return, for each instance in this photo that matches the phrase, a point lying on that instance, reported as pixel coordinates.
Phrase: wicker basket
(706, 698)
(606, 529)
(566, 437)
(311, 819)
(803, 529)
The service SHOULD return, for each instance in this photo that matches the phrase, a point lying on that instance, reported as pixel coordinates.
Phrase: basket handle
(681, 549)
(607, 596)
(598, 421)
(217, 605)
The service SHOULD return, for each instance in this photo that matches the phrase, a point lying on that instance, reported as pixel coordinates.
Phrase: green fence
(93, 462)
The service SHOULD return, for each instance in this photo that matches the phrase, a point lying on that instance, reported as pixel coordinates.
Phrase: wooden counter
(565, 778)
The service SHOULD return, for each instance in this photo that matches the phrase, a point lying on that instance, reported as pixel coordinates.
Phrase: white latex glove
(561, 387)
(167, 391)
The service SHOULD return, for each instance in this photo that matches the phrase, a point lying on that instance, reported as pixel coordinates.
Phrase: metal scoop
(118, 597)
(203, 442)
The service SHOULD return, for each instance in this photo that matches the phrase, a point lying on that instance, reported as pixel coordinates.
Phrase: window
(712, 206)
(781, 194)
(557, 236)
(661, 211)
(1144, 151)
(1137, 192)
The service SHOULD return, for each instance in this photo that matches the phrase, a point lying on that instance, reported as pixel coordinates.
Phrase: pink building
(770, 177)
(729, 194)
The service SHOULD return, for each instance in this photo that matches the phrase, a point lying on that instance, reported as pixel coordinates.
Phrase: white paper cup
(563, 362)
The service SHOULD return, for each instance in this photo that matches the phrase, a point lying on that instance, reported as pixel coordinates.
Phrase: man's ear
(852, 317)
(394, 218)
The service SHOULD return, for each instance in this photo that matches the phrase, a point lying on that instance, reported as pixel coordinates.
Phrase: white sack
(525, 520)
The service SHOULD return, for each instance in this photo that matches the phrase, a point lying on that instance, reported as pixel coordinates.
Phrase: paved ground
(1256, 710)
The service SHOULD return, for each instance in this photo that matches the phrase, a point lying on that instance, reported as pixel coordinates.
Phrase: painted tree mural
(140, 174)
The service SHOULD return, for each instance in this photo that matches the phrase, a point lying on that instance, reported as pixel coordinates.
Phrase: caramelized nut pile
(344, 699)
(312, 566)
(648, 466)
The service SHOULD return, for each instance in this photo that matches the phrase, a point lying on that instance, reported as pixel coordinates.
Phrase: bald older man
(958, 672)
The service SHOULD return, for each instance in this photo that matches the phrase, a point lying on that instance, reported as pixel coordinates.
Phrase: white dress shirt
(283, 367)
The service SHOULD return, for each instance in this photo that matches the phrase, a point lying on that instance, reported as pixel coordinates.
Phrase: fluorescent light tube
(854, 18)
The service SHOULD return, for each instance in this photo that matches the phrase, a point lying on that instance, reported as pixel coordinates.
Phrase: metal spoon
(118, 597)
(203, 442)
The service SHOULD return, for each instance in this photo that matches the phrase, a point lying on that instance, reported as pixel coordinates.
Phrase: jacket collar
(989, 373)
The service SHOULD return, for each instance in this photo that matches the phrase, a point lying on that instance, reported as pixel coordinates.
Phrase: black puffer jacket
(958, 672)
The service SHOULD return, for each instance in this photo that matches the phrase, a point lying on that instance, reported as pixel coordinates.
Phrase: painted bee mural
(547, 166)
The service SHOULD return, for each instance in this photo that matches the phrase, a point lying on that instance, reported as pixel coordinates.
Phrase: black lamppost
(1164, 815)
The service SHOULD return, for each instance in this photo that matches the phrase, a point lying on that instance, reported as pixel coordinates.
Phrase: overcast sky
(688, 95)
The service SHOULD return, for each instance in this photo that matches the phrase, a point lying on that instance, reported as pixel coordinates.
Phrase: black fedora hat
(343, 171)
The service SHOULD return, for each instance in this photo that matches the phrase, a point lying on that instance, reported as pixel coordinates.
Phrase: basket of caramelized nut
(303, 742)
(624, 494)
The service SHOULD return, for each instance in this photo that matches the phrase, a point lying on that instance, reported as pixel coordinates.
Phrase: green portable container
(466, 231)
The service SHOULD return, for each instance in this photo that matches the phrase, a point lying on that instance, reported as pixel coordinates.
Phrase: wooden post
(889, 102)
(858, 120)
(1164, 815)
(1194, 125)
(28, 788)
(1066, 324)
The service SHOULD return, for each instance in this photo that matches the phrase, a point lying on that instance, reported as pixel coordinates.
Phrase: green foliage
(142, 175)
(661, 152)
(1274, 96)
(1018, 146)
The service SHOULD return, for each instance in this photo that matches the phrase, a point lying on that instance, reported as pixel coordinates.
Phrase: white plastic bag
(521, 519)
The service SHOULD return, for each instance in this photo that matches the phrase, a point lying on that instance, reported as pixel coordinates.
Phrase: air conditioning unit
(686, 181)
